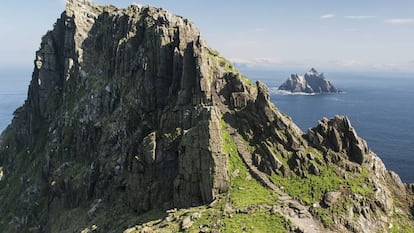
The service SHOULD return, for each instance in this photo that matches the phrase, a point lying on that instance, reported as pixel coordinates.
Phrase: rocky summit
(312, 82)
(133, 123)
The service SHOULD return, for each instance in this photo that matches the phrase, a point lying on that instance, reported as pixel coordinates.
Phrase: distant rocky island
(311, 82)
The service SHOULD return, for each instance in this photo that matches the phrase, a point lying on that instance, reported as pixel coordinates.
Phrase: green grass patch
(398, 227)
(324, 215)
(226, 64)
(210, 216)
(258, 222)
(246, 81)
(310, 190)
(360, 185)
(244, 190)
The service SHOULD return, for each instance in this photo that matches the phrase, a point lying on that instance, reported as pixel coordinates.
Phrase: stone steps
(289, 208)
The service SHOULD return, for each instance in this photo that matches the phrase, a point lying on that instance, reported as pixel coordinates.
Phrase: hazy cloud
(327, 16)
(400, 21)
(389, 67)
(360, 16)
(346, 63)
(258, 62)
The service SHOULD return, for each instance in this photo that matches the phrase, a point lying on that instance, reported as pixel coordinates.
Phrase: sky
(354, 35)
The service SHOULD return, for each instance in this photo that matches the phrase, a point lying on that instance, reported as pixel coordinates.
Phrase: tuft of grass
(324, 215)
(215, 52)
(246, 81)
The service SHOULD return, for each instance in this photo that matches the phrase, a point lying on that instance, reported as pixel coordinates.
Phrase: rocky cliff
(311, 82)
(132, 122)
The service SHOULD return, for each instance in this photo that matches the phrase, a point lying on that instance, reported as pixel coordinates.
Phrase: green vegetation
(259, 222)
(228, 67)
(209, 217)
(173, 135)
(246, 81)
(310, 190)
(215, 52)
(324, 215)
(75, 172)
(360, 184)
(248, 146)
(172, 139)
(244, 190)
(17, 182)
(398, 227)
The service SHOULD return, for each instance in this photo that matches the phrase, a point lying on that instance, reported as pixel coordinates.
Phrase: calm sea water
(380, 107)
(13, 92)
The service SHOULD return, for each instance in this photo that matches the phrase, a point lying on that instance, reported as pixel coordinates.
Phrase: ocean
(379, 105)
(13, 92)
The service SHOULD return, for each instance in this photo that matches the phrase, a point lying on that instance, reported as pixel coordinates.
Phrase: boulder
(330, 198)
(187, 223)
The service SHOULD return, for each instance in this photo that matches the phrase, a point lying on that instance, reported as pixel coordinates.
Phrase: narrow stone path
(289, 208)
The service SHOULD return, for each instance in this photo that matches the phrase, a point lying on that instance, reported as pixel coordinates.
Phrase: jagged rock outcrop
(128, 111)
(338, 135)
(337, 139)
(311, 82)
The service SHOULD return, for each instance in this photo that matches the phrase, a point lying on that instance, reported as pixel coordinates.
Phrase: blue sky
(372, 35)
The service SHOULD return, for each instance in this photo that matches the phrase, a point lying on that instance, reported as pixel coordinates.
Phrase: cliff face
(130, 111)
(311, 82)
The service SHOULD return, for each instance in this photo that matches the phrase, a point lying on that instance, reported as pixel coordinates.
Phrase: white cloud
(258, 62)
(346, 63)
(327, 16)
(389, 67)
(360, 16)
(404, 66)
(400, 20)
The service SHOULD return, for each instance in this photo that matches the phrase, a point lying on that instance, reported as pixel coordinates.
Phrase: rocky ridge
(312, 82)
(133, 121)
